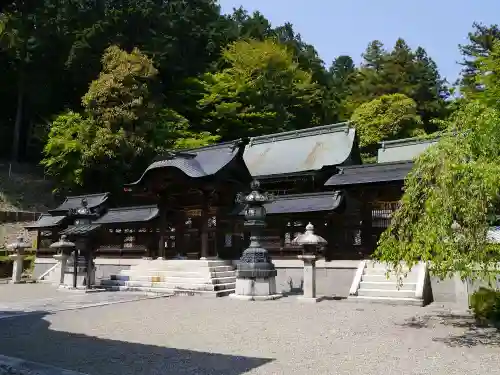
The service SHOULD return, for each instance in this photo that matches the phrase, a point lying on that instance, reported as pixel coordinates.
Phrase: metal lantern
(18, 245)
(309, 241)
(255, 261)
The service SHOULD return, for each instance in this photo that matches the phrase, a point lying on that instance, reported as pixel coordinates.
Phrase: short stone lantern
(311, 244)
(64, 248)
(18, 248)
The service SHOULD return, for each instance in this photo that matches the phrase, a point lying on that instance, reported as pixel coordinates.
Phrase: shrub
(485, 304)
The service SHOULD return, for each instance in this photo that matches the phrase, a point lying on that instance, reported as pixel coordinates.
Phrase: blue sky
(344, 27)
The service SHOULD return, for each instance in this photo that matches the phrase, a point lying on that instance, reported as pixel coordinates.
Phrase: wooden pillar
(180, 241)
(163, 232)
(204, 227)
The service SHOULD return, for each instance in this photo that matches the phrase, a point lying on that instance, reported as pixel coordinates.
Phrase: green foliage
(262, 90)
(122, 128)
(458, 180)
(485, 305)
(385, 118)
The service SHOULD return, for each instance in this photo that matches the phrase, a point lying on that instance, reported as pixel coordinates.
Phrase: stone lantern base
(256, 289)
(309, 279)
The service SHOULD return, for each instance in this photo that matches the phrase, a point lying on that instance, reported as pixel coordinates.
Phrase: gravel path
(194, 335)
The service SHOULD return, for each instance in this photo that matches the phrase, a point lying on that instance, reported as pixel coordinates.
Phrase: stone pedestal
(258, 289)
(17, 267)
(63, 260)
(309, 279)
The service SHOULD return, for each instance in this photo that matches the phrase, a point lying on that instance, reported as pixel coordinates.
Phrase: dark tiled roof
(93, 201)
(296, 203)
(370, 173)
(129, 215)
(80, 230)
(200, 162)
(299, 151)
(46, 221)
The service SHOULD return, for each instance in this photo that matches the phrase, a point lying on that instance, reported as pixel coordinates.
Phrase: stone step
(387, 300)
(183, 280)
(196, 274)
(387, 285)
(386, 293)
(169, 286)
(380, 271)
(412, 278)
(167, 291)
(196, 269)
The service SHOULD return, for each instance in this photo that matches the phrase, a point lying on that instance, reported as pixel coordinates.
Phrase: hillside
(24, 188)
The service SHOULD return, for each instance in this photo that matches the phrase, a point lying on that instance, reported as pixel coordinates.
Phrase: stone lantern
(311, 244)
(255, 273)
(64, 246)
(18, 248)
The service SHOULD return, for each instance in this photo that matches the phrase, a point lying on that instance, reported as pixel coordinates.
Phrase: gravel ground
(194, 335)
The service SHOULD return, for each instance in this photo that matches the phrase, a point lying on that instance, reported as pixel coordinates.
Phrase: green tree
(480, 44)
(122, 129)
(262, 90)
(452, 193)
(385, 118)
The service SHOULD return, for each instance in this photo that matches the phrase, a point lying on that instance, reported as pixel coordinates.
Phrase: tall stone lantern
(18, 248)
(311, 244)
(64, 248)
(255, 272)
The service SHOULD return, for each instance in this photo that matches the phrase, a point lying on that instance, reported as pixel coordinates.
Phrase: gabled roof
(46, 221)
(370, 173)
(129, 215)
(199, 162)
(297, 203)
(75, 202)
(403, 149)
(300, 150)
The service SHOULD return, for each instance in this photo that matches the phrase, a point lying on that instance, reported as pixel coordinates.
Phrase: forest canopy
(92, 88)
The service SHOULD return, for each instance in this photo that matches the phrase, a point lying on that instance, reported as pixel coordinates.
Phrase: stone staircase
(371, 284)
(214, 278)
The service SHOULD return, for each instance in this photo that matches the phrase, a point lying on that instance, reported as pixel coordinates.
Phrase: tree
(342, 77)
(452, 194)
(385, 118)
(481, 42)
(262, 91)
(122, 129)
(400, 71)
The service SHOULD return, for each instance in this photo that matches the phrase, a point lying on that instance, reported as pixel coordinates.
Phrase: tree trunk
(16, 144)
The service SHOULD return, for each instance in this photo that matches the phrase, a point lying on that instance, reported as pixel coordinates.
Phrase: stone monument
(18, 248)
(311, 244)
(255, 272)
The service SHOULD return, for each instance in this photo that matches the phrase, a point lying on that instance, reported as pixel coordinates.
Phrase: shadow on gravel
(474, 333)
(29, 337)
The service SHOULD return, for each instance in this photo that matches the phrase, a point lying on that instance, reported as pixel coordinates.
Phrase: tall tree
(452, 194)
(262, 90)
(481, 42)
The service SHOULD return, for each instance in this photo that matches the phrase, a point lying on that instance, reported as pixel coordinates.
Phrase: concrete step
(170, 286)
(387, 285)
(380, 271)
(411, 278)
(386, 293)
(167, 291)
(387, 300)
(195, 274)
(192, 269)
(184, 280)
